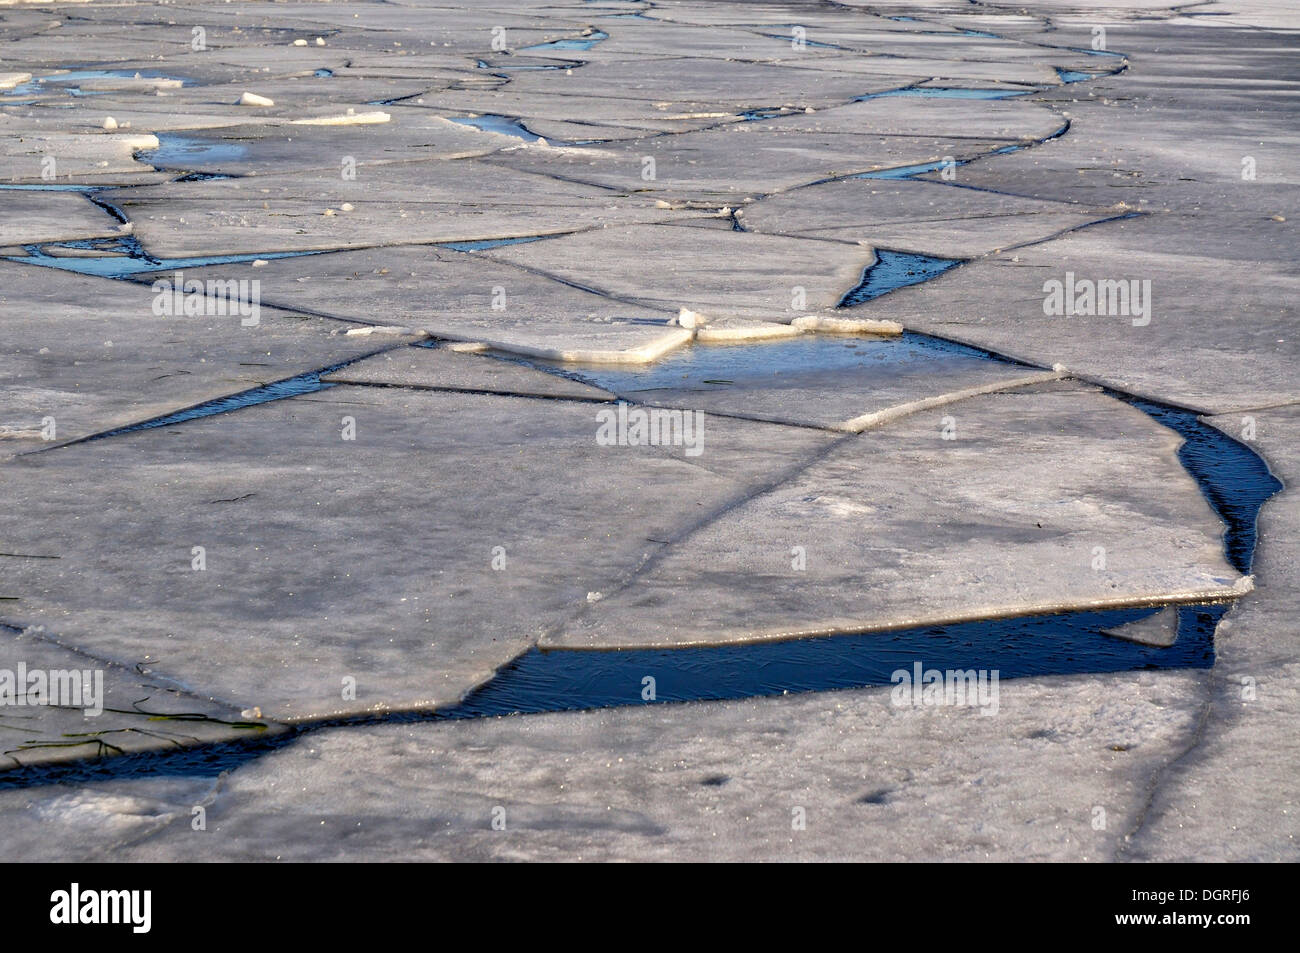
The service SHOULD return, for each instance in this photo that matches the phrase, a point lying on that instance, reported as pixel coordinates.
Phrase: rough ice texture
(306, 576)
(903, 527)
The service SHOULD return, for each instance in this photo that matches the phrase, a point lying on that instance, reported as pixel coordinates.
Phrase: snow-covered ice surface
(321, 542)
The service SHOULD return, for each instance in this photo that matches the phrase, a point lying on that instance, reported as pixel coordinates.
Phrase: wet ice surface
(71, 82)
(945, 92)
(126, 257)
(502, 124)
(717, 366)
(512, 127)
(308, 383)
(1233, 477)
(53, 187)
(685, 113)
(1016, 648)
(894, 270)
(180, 151)
(582, 43)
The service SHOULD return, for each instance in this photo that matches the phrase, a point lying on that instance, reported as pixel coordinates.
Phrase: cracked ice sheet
(292, 97)
(915, 216)
(644, 41)
(32, 217)
(689, 82)
(134, 704)
(538, 316)
(696, 781)
(286, 149)
(1075, 168)
(905, 528)
(593, 117)
(86, 116)
(366, 559)
(412, 27)
(110, 361)
(1234, 796)
(445, 369)
(1130, 134)
(1220, 303)
(22, 153)
(720, 273)
(917, 116)
(950, 72)
(727, 163)
(814, 380)
(394, 203)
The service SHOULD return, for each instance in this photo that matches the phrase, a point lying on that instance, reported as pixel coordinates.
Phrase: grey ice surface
(901, 527)
(696, 781)
(83, 355)
(690, 211)
(340, 542)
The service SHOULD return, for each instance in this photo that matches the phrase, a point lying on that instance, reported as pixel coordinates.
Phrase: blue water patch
(504, 125)
(492, 243)
(323, 73)
(503, 68)
(1074, 75)
(180, 151)
(40, 84)
(55, 187)
(716, 366)
(908, 171)
(539, 681)
(583, 43)
(290, 387)
(127, 257)
(1235, 480)
(763, 112)
(1066, 643)
(893, 270)
(948, 92)
(905, 171)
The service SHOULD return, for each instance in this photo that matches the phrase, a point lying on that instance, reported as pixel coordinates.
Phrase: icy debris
(829, 325)
(878, 417)
(1160, 630)
(645, 354)
(741, 329)
(468, 347)
(255, 712)
(109, 123)
(351, 118)
(18, 433)
(380, 329)
(260, 262)
(686, 318)
(252, 99)
(299, 42)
